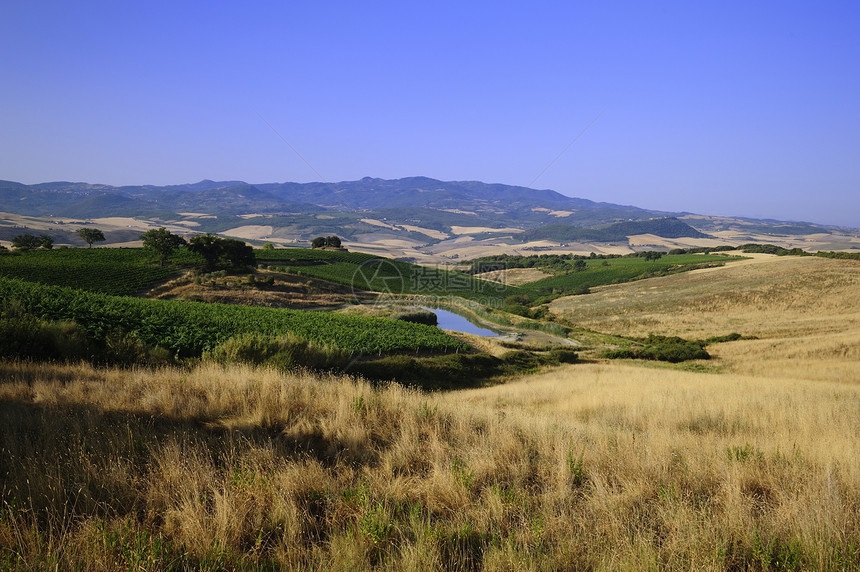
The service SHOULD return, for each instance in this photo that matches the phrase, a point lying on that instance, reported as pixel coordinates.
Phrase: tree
(91, 235)
(162, 241)
(30, 242)
(206, 245)
(222, 252)
(237, 254)
(25, 242)
(332, 241)
(268, 246)
(318, 242)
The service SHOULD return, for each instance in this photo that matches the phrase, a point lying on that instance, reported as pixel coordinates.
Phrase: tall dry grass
(588, 467)
(804, 310)
(772, 296)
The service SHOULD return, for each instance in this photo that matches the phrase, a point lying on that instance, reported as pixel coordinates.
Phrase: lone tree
(324, 241)
(162, 241)
(222, 252)
(91, 235)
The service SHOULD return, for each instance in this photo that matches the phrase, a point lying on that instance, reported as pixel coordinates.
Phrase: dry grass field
(597, 466)
(600, 467)
(514, 276)
(804, 310)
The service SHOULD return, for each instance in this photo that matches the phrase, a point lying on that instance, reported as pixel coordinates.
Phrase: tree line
(218, 253)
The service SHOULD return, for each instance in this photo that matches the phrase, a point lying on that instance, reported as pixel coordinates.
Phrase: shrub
(734, 336)
(437, 372)
(562, 355)
(662, 348)
(517, 309)
(125, 348)
(27, 337)
(284, 352)
(521, 361)
(417, 317)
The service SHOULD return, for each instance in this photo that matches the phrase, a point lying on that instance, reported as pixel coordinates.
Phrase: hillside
(668, 227)
(368, 194)
(415, 218)
(804, 312)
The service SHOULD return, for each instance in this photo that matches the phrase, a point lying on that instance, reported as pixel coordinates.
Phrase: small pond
(450, 321)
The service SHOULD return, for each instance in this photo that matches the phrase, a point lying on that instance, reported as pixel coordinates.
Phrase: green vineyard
(116, 271)
(369, 272)
(190, 328)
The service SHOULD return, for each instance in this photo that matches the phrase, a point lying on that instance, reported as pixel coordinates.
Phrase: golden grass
(805, 310)
(482, 229)
(514, 276)
(250, 231)
(437, 234)
(586, 467)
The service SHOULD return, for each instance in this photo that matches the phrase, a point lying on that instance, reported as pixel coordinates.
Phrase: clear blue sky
(723, 108)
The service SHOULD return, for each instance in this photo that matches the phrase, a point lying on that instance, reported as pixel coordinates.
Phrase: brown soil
(286, 291)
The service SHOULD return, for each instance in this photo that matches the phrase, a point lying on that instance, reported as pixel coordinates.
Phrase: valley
(743, 461)
(651, 402)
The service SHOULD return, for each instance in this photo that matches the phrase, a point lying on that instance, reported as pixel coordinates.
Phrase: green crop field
(369, 272)
(301, 256)
(576, 274)
(190, 328)
(117, 271)
(618, 270)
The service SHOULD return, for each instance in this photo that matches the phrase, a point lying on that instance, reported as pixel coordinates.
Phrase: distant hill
(302, 210)
(500, 203)
(668, 227)
(414, 216)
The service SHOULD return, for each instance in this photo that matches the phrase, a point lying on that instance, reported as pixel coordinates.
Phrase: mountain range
(237, 197)
(419, 210)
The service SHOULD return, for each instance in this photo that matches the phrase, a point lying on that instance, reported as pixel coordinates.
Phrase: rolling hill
(415, 217)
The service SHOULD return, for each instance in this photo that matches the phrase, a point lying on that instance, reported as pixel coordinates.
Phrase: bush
(124, 348)
(284, 352)
(521, 361)
(734, 336)
(24, 336)
(561, 355)
(517, 309)
(450, 371)
(27, 337)
(662, 348)
(417, 317)
(538, 313)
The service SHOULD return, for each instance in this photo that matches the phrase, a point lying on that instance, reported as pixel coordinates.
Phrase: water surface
(448, 320)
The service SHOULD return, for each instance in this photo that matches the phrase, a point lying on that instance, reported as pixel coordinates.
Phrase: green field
(188, 329)
(116, 271)
(618, 270)
(576, 274)
(385, 275)
(369, 272)
(91, 287)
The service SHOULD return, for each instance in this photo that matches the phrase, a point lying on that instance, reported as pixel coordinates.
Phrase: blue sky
(722, 108)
